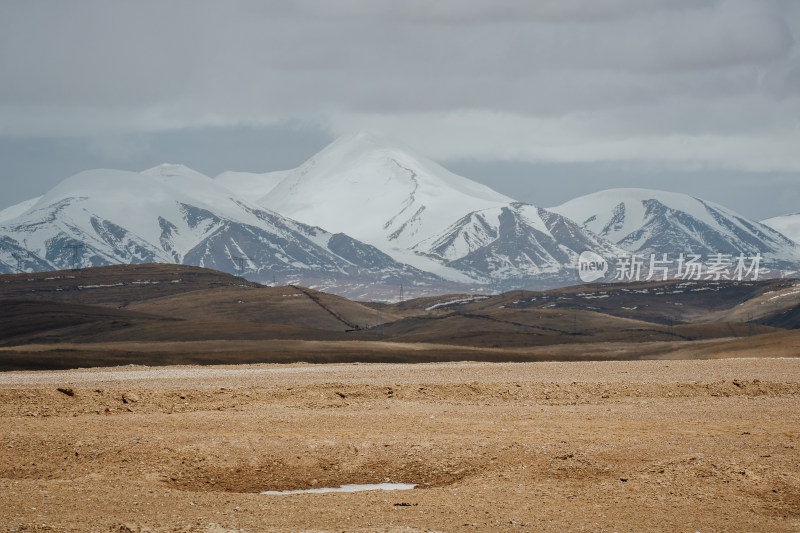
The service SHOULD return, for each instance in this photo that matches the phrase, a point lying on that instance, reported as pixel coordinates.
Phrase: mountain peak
(170, 170)
(365, 138)
(635, 201)
(378, 191)
(788, 225)
(360, 146)
(650, 221)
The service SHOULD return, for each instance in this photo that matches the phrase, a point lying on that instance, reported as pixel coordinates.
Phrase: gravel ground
(262, 375)
(613, 446)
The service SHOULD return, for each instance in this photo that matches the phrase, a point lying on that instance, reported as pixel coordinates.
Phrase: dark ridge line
(316, 300)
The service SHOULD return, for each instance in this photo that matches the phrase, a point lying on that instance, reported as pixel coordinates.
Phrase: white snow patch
(785, 294)
(456, 301)
(346, 488)
(98, 286)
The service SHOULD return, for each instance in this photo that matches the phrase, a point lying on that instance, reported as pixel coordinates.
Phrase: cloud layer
(682, 82)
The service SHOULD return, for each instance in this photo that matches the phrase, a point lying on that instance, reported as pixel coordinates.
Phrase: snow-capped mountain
(514, 242)
(250, 185)
(380, 193)
(420, 213)
(361, 218)
(788, 225)
(173, 214)
(17, 209)
(647, 221)
(395, 218)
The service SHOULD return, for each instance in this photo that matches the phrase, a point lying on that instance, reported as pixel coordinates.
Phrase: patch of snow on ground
(782, 295)
(345, 488)
(458, 301)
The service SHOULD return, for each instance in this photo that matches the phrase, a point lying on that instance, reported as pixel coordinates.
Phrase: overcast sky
(542, 100)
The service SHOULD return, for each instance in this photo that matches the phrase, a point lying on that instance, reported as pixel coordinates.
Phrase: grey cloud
(137, 54)
(103, 53)
(487, 10)
(29, 167)
(602, 78)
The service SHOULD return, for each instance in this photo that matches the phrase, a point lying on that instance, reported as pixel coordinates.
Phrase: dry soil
(586, 446)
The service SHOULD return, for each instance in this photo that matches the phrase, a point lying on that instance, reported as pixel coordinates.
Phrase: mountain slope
(17, 209)
(516, 241)
(364, 218)
(788, 225)
(365, 186)
(647, 221)
(117, 216)
(424, 215)
(172, 214)
(249, 185)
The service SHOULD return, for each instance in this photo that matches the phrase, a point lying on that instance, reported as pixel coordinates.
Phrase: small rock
(129, 397)
(66, 390)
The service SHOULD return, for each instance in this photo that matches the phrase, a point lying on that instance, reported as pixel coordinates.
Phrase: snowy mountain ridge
(788, 225)
(367, 187)
(250, 185)
(645, 221)
(424, 215)
(172, 214)
(515, 241)
(362, 213)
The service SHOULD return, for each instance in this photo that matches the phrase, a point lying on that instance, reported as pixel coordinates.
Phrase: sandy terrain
(584, 446)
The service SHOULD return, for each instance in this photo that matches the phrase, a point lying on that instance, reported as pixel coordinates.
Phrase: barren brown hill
(167, 314)
(288, 305)
(781, 343)
(510, 327)
(664, 302)
(116, 285)
(27, 321)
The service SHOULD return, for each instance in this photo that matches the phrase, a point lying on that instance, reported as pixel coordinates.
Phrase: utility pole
(19, 261)
(240, 264)
(401, 293)
(76, 248)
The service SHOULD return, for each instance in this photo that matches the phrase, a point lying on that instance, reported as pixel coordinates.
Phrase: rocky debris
(129, 397)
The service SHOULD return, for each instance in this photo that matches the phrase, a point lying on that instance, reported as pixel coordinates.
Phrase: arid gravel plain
(704, 446)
